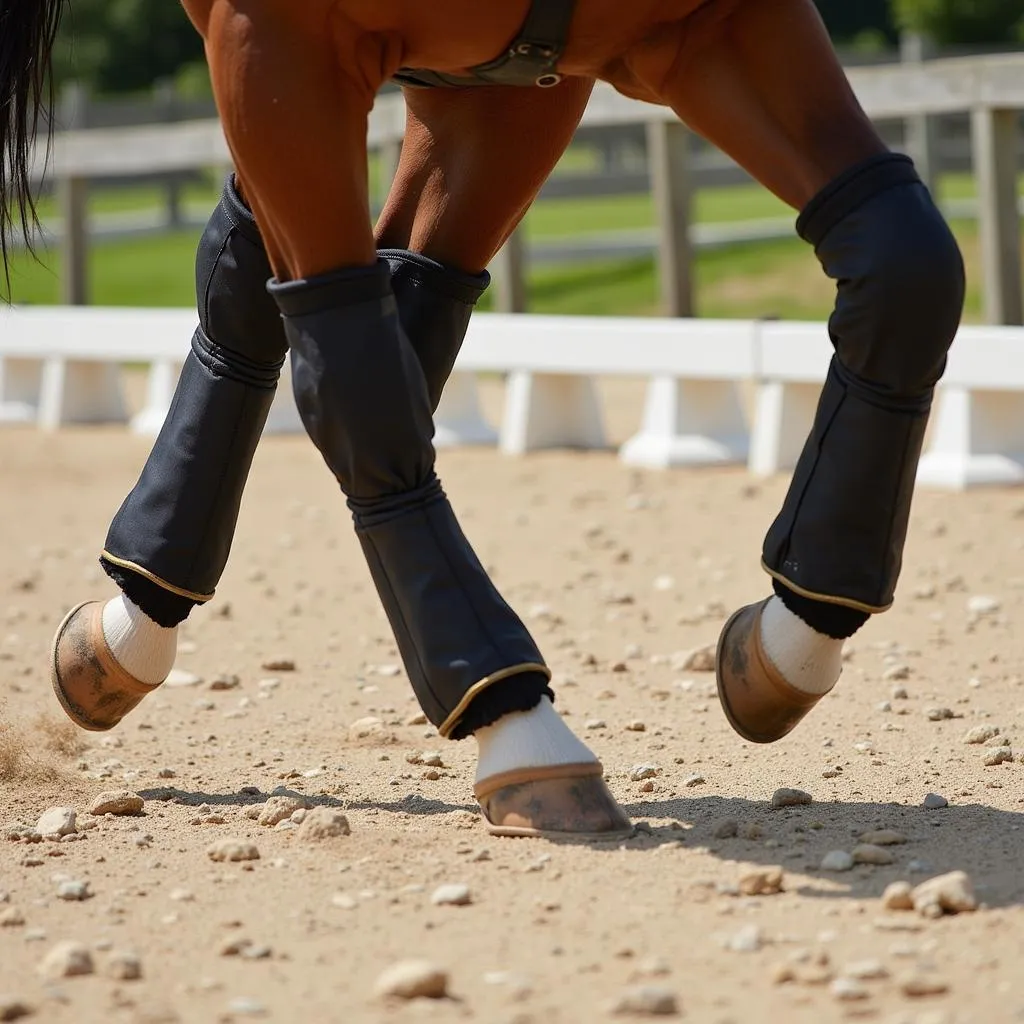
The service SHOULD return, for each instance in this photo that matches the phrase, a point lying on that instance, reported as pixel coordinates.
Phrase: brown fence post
(73, 196)
(994, 140)
(668, 148)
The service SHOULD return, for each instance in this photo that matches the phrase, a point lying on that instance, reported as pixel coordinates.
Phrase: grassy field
(775, 279)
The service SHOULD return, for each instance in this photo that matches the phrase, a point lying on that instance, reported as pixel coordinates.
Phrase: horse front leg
(763, 83)
(363, 393)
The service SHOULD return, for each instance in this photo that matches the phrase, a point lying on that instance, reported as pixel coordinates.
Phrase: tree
(963, 22)
(848, 20)
(125, 45)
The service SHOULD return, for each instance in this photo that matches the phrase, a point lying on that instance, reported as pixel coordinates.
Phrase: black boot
(169, 542)
(364, 400)
(836, 547)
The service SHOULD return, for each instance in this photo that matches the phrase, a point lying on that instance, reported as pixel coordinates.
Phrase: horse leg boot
(168, 544)
(363, 397)
(836, 548)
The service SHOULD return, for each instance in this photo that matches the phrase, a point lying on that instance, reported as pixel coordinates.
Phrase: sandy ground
(616, 571)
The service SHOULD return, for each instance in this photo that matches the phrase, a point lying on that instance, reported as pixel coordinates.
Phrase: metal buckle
(550, 79)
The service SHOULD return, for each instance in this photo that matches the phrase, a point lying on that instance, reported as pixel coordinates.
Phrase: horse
(372, 317)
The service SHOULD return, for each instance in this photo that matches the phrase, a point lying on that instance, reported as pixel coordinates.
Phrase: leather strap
(531, 59)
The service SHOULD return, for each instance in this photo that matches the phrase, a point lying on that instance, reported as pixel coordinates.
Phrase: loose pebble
(868, 853)
(848, 990)
(837, 860)
(702, 659)
(643, 771)
(981, 734)
(898, 896)
(866, 970)
(179, 677)
(13, 1008)
(121, 802)
(952, 893)
(761, 882)
(57, 821)
(232, 850)
(919, 984)
(747, 940)
(791, 798)
(647, 1001)
(728, 828)
(694, 780)
(934, 802)
(323, 823)
(456, 895)
(883, 837)
(982, 604)
(935, 714)
(997, 755)
(278, 808)
(412, 979)
(66, 960)
(124, 966)
(73, 890)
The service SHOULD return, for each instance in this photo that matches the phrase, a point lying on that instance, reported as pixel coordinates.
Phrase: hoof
(567, 801)
(94, 691)
(760, 705)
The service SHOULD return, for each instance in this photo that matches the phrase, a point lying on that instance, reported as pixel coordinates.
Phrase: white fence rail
(61, 366)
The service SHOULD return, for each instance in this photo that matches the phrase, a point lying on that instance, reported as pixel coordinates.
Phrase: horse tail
(28, 29)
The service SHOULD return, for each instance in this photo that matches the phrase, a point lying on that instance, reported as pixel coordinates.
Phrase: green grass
(779, 279)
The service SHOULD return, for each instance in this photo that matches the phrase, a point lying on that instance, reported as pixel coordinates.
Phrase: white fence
(62, 366)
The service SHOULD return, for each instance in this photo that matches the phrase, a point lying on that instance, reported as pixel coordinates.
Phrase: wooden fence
(989, 90)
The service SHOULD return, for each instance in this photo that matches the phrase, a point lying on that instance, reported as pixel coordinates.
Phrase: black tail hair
(28, 29)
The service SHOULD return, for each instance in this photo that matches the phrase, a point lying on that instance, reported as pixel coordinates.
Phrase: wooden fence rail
(989, 89)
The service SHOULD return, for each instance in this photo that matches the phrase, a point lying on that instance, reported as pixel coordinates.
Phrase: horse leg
(763, 84)
(464, 182)
(361, 391)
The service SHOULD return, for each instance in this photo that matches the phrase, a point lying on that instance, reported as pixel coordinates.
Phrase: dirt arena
(619, 573)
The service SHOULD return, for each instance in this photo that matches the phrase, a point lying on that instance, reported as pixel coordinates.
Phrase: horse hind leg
(766, 87)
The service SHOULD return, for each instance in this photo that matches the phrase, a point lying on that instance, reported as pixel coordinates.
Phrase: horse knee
(236, 313)
(899, 274)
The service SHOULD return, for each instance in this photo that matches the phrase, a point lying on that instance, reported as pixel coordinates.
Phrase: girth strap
(530, 59)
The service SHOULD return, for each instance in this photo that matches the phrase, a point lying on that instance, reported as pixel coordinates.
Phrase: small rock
(636, 727)
(981, 734)
(179, 677)
(837, 860)
(121, 801)
(952, 893)
(279, 665)
(702, 659)
(647, 1001)
(278, 808)
(900, 693)
(124, 967)
(246, 1007)
(416, 718)
(595, 723)
(761, 882)
(866, 970)
(848, 990)
(746, 940)
(323, 823)
(934, 802)
(921, 984)
(432, 759)
(868, 853)
(981, 604)
(57, 821)
(883, 837)
(413, 979)
(66, 960)
(694, 780)
(366, 728)
(13, 1008)
(643, 771)
(752, 831)
(225, 682)
(997, 755)
(728, 828)
(73, 890)
(791, 798)
(11, 917)
(895, 673)
(898, 896)
(454, 895)
(232, 850)
(939, 714)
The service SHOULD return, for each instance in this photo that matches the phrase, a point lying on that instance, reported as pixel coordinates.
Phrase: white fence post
(458, 420)
(550, 410)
